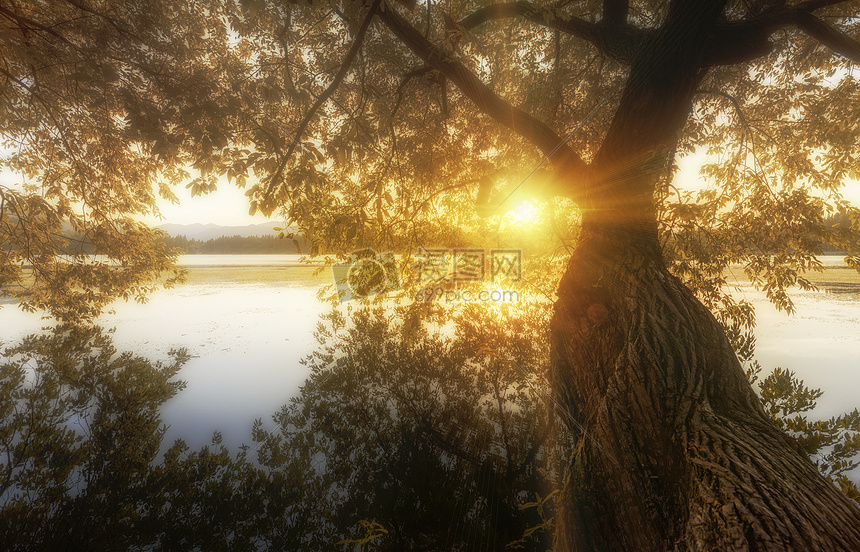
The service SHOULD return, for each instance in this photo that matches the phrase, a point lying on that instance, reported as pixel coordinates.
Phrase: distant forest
(841, 222)
(247, 245)
(257, 245)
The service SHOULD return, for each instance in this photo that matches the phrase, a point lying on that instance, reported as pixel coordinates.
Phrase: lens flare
(524, 212)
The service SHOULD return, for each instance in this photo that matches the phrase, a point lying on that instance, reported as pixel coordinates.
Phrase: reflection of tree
(79, 457)
(435, 438)
(80, 429)
(426, 429)
(429, 432)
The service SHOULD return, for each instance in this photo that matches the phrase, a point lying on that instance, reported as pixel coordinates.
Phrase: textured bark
(680, 454)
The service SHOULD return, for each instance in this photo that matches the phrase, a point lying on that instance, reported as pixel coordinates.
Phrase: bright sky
(228, 206)
(688, 178)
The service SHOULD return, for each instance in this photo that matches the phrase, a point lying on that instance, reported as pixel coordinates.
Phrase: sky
(228, 206)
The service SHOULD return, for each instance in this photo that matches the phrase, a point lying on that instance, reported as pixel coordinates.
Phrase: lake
(249, 320)
(821, 341)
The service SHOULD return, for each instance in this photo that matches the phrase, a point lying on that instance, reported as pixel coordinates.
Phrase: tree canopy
(382, 124)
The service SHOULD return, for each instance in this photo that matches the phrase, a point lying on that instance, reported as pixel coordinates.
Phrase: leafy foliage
(105, 104)
(86, 88)
(833, 444)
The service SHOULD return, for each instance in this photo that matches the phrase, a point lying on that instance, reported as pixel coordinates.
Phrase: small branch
(446, 445)
(344, 68)
(533, 451)
(729, 97)
(415, 73)
(25, 23)
(110, 20)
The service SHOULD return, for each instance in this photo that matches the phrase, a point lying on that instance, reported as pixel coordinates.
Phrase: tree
(382, 140)
(82, 82)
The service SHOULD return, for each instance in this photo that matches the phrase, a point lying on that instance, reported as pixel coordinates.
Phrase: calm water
(250, 318)
(821, 341)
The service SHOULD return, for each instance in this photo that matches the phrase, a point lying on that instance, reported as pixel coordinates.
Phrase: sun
(524, 212)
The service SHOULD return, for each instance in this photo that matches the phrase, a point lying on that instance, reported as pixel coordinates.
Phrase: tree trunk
(678, 453)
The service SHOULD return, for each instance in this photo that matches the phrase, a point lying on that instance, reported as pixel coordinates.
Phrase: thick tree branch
(574, 26)
(341, 73)
(654, 107)
(739, 41)
(485, 99)
(731, 41)
(615, 12)
(827, 35)
(812, 5)
(617, 40)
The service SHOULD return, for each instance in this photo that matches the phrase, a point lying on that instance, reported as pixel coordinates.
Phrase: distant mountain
(205, 232)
